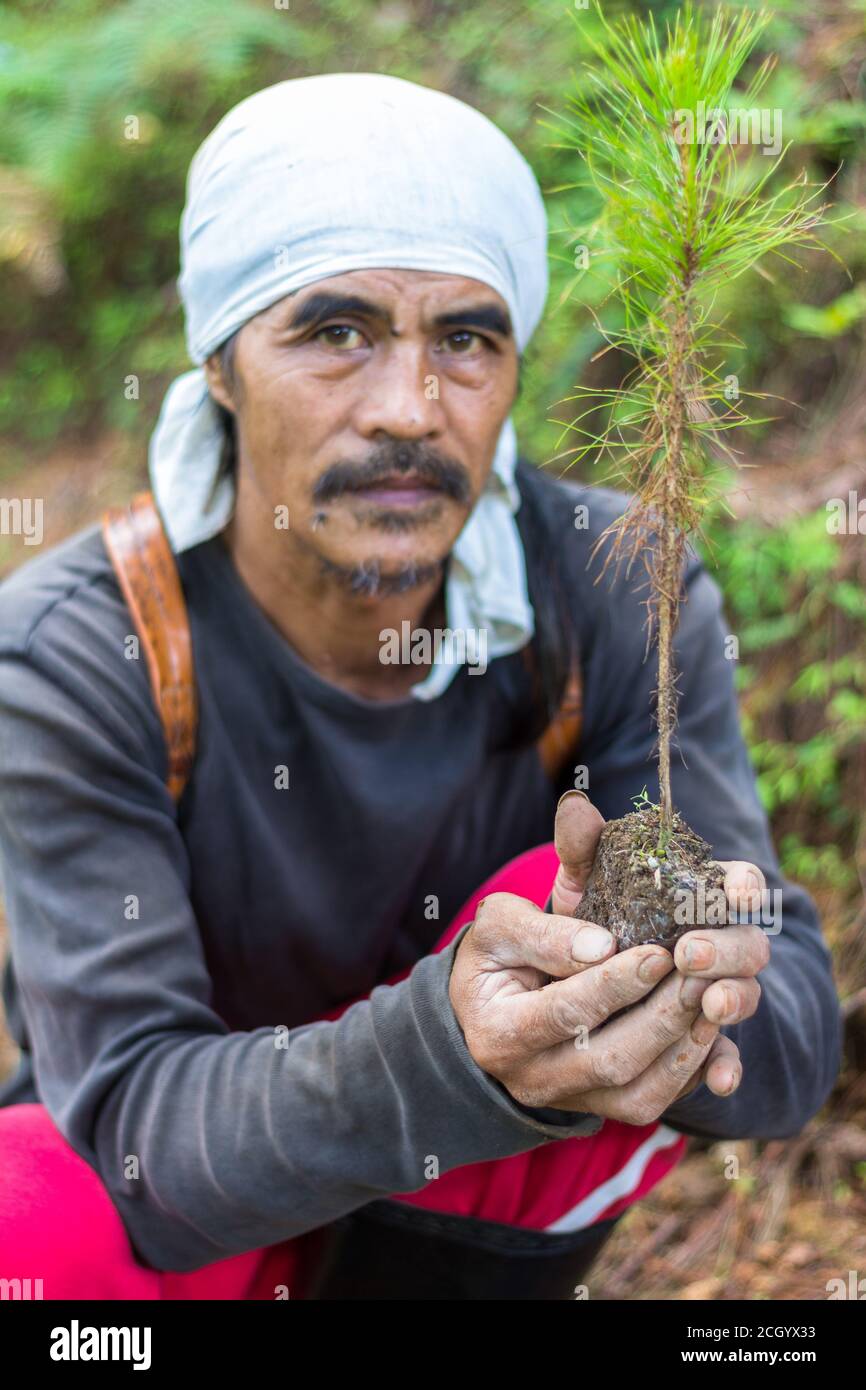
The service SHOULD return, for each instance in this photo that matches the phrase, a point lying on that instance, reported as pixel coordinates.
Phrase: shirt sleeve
(791, 1047)
(210, 1142)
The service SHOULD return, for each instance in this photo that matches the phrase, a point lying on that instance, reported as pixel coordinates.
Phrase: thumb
(575, 835)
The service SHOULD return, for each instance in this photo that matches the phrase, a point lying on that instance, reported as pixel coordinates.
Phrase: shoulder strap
(560, 738)
(143, 561)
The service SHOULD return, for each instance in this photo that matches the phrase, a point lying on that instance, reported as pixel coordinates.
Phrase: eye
(340, 335)
(465, 343)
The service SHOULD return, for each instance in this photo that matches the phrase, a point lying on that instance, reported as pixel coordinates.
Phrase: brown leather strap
(145, 567)
(560, 739)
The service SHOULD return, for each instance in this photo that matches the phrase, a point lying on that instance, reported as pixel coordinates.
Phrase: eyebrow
(324, 305)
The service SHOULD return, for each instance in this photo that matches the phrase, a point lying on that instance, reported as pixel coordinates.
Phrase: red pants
(60, 1230)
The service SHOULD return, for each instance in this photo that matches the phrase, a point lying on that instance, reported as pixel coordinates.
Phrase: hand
(733, 955)
(525, 984)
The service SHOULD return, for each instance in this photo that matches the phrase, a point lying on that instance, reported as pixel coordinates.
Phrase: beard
(368, 580)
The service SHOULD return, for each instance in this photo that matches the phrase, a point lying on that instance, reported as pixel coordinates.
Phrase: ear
(216, 382)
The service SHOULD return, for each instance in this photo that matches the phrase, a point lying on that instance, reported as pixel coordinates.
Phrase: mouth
(396, 490)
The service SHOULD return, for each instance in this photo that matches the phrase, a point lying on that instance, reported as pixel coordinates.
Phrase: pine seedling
(659, 129)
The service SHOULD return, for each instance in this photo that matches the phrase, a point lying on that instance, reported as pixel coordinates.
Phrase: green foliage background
(88, 256)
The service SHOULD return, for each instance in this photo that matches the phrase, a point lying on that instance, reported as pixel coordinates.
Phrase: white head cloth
(318, 176)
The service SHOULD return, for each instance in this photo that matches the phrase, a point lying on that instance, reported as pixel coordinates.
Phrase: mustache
(439, 471)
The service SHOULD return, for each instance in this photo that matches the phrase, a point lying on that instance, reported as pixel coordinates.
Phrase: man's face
(369, 405)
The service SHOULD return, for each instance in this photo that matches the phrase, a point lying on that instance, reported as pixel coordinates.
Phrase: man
(364, 262)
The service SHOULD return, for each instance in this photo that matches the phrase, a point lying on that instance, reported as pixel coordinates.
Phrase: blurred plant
(108, 206)
(107, 190)
(802, 678)
(831, 320)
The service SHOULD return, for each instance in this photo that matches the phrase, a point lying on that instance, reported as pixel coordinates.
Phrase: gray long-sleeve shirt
(167, 966)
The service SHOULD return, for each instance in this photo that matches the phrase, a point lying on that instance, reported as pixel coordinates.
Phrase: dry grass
(793, 1219)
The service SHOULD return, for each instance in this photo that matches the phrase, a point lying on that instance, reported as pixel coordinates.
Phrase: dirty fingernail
(699, 954)
(591, 943)
(653, 967)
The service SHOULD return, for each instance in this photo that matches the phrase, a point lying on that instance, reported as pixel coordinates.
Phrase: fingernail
(732, 1085)
(747, 895)
(703, 1031)
(572, 792)
(692, 992)
(653, 967)
(591, 943)
(699, 954)
(730, 1003)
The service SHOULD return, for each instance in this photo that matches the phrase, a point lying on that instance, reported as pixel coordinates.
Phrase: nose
(401, 395)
